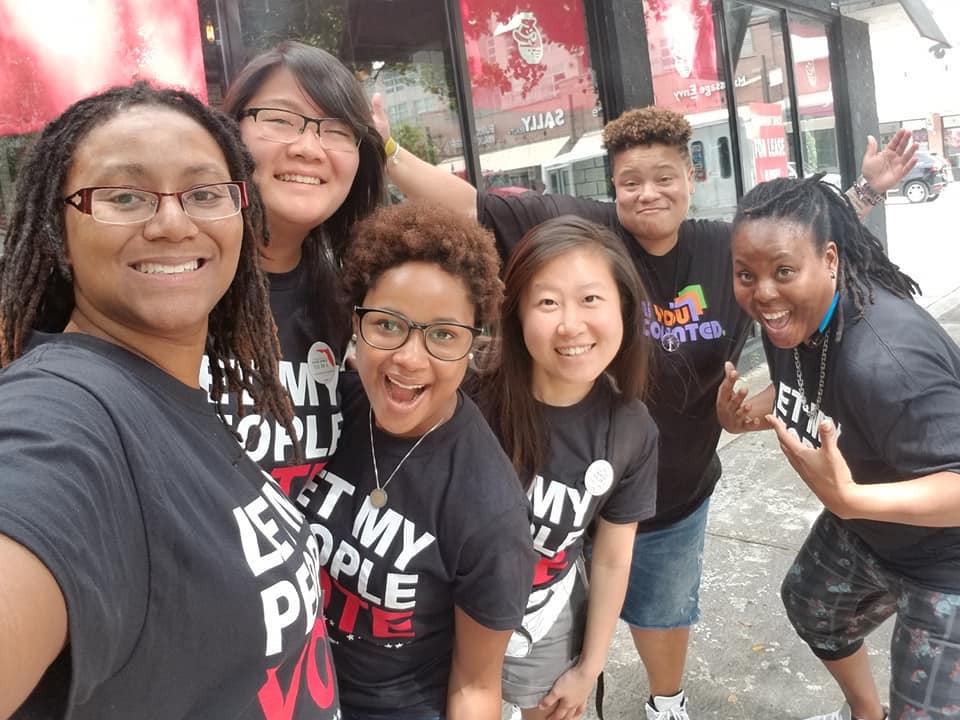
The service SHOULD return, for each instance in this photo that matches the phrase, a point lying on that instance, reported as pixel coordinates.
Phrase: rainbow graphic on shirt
(683, 318)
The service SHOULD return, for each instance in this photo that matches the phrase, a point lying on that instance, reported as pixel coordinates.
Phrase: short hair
(503, 385)
(648, 126)
(830, 217)
(330, 85)
(415, 231)
(36, 282)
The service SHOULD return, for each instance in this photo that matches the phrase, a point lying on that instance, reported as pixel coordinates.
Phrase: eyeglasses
(286, 126)
(388, 330)
(126, 205)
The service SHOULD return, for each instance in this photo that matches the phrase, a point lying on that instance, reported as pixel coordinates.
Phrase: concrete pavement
(745, 661)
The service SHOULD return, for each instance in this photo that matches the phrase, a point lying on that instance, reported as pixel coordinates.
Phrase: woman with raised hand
(563, 390)
(148, 568)
(423, 528)
(319, 166)
(695, 324)
(865, 400)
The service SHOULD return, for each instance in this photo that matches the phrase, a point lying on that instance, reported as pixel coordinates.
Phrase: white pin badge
(599, 477)
(322, 363)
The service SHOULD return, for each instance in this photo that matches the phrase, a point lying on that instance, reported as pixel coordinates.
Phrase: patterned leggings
(837, 592)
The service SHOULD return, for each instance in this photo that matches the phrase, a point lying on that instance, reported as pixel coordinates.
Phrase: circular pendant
(670, 341)
(378, 497)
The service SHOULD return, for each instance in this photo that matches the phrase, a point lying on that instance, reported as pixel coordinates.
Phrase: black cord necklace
(669, 339)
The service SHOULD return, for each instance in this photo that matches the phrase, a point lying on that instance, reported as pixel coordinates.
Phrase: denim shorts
(664, 589)
(837, 592)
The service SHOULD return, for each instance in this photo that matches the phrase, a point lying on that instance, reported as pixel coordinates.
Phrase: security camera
(939, 50)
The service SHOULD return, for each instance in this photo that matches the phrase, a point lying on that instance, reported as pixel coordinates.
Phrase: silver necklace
(809, 408)
(378, 496)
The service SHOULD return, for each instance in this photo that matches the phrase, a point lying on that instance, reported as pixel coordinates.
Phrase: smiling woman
(420, 625)
(133, 252)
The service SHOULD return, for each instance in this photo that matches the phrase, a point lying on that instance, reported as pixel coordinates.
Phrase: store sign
(526, 33)
(540, 121)
(49, 59)
(769, 141)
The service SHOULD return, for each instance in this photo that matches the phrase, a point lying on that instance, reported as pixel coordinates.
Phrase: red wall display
(769, 141)
(54, 53)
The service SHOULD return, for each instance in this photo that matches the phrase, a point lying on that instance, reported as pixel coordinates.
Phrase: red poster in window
(54, 53)
(683, 54)
(769, 141)
(528, 53)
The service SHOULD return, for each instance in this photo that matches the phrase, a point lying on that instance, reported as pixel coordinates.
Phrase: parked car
(830, 176)
(925, 182)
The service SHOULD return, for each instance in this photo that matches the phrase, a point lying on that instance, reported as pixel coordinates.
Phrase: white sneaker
(515, 713)
(677, 709)
(841, 714)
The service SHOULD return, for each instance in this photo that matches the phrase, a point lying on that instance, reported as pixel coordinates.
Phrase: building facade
(506, 93)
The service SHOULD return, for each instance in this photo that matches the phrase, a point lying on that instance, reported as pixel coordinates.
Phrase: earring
(353, 338)
(833, 276)
(469, 356)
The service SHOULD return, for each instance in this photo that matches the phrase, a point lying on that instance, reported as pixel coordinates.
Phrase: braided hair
(830, 216)
(36, 282)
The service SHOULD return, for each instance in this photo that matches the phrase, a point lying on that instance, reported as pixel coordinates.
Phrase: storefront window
(688, 78)
(951, 144)
(814, 92)
(761, 90)
(537, 112)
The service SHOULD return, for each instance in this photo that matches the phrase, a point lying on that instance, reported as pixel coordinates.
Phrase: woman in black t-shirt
(319, 167)
(563, 391)
(134, 580)
(422, 526)
(850, 350)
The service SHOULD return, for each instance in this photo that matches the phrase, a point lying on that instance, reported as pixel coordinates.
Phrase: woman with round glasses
(423, 528)
(319, 167)
(148, 568)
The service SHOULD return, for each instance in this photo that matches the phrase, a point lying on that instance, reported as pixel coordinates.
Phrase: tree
(417, 141)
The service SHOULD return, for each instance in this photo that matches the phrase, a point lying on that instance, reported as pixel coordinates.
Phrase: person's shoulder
(482, 468)
(544, 206)
(716, 232)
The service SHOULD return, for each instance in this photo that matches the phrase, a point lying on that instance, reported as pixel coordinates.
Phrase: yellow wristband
(390, 146)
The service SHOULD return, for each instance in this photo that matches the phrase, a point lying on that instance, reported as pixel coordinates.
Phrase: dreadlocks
(36, 284)
(830, 216)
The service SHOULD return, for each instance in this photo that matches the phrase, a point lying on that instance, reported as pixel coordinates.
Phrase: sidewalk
(745, 661)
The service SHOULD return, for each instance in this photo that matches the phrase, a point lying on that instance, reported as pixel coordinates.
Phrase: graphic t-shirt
(310, 357)
(892, 387)
(455, 531)
(602, 460)
(190, 580)
(691, 289)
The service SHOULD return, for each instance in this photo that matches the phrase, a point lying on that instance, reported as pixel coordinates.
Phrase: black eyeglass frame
(254, 111)
(84, 203)
(411, 326)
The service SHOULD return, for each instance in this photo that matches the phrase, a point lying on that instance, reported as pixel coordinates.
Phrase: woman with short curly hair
(423, 527)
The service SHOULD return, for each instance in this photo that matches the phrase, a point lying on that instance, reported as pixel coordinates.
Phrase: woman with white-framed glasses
(422, 526)
(319, 168)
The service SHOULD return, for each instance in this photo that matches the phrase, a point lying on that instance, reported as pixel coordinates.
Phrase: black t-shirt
(310, 358)
(190, 580)
(602, 460)
(892, 386)
(454, 532)
(692, 292)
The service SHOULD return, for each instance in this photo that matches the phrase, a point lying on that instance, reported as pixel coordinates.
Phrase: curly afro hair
(648, 126)
(418, 232)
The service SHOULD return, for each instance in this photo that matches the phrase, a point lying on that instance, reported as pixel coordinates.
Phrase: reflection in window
(811, 71)
(688, 78)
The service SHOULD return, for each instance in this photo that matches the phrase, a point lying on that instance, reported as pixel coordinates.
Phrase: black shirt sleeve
(67, 496)
(635, 438)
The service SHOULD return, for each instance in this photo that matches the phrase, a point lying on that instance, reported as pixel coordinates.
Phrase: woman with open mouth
(865, 400)
(424, 530)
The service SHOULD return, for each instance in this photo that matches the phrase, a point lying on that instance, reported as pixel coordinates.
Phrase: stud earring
(833, 276)
(353, 337)
(469, 356)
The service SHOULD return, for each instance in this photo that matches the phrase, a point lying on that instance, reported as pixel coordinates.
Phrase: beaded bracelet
(866, 193)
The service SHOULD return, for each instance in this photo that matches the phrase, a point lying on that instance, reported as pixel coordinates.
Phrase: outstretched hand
(380, 120)
(823, 469)
(885, 169)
